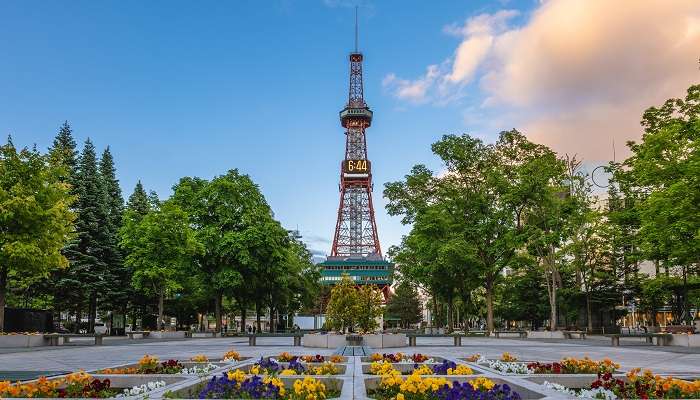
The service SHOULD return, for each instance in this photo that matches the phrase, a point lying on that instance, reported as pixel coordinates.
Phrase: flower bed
(150, 365)
(269, 366)
(444, 368)
(635, 385)
(402, 358)
(237, 385)
(75, 385)
(417, 387)
(567, 365)
(287, 357)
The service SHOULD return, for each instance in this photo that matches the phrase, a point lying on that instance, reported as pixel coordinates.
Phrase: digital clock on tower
(356, 166)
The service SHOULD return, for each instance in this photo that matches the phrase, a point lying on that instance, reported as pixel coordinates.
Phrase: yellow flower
(199, 358)
(255, 370)
(482, 383)
(232, 355)
(461, 369)
(381, 368)
(237, 375)
(148, 362)
(336, 358)
(376, 357)
(288, 372)
(507, 357)
(423, 370)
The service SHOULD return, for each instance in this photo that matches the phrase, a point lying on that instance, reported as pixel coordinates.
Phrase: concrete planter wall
(167, 335)
(205, 334)
(545, 335)
(332, 341)
(682, 339)
(329, 341)
(22, 340)
(381, 341)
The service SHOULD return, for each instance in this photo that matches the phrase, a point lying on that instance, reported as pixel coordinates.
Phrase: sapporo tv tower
(356, 250)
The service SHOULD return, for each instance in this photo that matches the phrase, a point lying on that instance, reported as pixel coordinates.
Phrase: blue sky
(196, 88)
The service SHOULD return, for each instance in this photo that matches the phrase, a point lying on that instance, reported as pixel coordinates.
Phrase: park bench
(569, 334)
(144, 334)
(252, 338)
(662, 339)
(521, 334)
(53, 338)
(457, 339)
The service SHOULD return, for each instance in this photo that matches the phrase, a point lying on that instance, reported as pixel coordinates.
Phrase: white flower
(509, 367)
(198, 370)
(141, 389)
(598, 393)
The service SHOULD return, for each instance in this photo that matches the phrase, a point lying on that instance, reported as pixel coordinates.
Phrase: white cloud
(576, 74)
(415, 90)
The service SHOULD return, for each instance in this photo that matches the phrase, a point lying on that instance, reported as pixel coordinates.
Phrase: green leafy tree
(35, 218)
(369, 307)
(342, 310)
(244, 244)
(137, 207)
(483, 196)
(405, 304)
(663, 175)
(161, 246)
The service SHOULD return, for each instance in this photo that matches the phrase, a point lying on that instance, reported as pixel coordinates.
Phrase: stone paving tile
(665, 360)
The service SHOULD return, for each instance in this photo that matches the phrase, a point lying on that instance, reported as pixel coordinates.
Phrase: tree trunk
(161, 323)
(489, 305)
(589, 315)
(552, 302)
(273, 321)
(92, 312)
(450, 315)
(244, 315)
(217, 311)
(78, 320)
(257, 318)
(3, 291)
(436, 314)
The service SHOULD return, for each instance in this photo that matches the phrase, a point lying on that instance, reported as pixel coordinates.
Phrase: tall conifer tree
(118, 292)
(63, 283)
(89, 269)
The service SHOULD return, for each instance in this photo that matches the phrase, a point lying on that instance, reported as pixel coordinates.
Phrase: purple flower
(465, 391)
(251, 388)
(441, 369)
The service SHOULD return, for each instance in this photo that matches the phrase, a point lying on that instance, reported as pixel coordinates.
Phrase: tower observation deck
(356, 250)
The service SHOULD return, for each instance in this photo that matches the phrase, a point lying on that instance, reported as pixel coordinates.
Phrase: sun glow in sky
(194, 89)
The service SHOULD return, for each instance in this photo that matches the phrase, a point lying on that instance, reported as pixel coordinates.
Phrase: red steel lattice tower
(356, 229)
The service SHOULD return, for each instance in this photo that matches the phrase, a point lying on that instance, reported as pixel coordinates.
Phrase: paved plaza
(664, 360)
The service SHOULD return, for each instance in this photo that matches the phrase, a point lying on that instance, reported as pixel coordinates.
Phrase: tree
(405, 304)
(118, 293)
(663, 174)
(369, 307)
(61, 284)
(63, 153)
(139, 202)
(483, 195)
(244, 244)
(342, 309)
(35, 217)
(161, 246)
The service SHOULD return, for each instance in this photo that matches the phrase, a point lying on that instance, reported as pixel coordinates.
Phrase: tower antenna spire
(356, 7)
